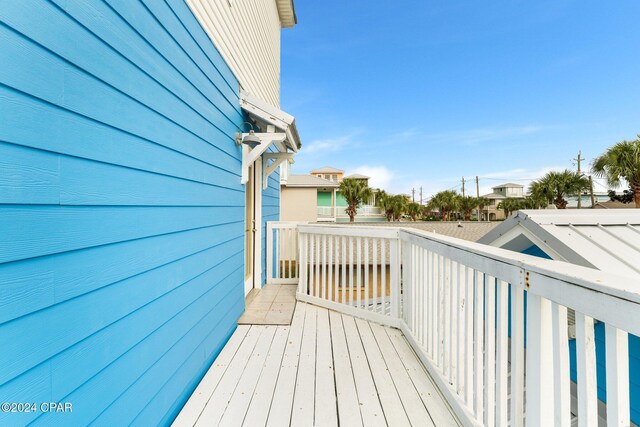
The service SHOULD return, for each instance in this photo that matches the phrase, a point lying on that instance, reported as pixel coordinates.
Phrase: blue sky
(422, 93)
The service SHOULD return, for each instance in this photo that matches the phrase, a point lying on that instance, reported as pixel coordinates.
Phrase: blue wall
(121, 209)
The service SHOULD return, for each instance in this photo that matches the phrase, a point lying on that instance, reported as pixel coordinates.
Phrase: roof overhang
(287, 13)
(265, 114)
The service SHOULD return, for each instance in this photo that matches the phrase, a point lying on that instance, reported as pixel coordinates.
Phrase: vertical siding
(121, 209)
(247, 33)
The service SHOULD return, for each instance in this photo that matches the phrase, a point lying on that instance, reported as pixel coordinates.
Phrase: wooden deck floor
(325, 369)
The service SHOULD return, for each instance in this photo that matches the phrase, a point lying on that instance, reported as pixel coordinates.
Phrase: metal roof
(310, 181)
(358, 176)
(509, 184)
(608, 240)
(494, 195)
(327, 169)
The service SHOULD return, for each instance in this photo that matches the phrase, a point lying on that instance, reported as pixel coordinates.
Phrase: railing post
(539, 376)
(394, 271)
(407, 280)
(270, 259)
(617, 366)
(302, 259)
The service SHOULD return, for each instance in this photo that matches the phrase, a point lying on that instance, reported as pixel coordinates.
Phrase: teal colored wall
(121, 208)
(324, 198)
(341, 201)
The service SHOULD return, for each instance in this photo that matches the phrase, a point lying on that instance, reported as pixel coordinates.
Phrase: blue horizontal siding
(121, 208)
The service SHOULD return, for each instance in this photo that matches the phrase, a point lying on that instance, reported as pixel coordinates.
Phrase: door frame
(254, 281)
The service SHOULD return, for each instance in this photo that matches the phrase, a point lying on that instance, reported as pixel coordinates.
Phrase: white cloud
(330, 145)
(479, 135)
(381, 176)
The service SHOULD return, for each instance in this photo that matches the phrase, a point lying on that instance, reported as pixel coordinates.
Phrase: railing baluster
(358, 270)
(350, 239)
(322, 292)
(517, 355)
(375, 274)
(617, 372)
(561, 378)
(446, 311)
(490, 350)
(394, 272)
(502, 353)
(478, 339)
(468, 354)
(367, 302)
(302, 282)
(440, 312)
(586, 367)
(539, 362)
(318, 263)
(343, 241)
(462, 331)
(290, 257)
(330, 284)
(311, 257)
(433, 307)
(423, 295)
(383, 274)
(453, 308)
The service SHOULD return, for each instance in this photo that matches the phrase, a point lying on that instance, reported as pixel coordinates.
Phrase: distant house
(298, 202)
(329, 173)
(608, 240)
(132, 215)
(499, 193)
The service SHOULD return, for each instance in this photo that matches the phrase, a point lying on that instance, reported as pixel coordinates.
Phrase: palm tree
(482, 203)
(467, 204)
(385, 202)
(510, 205)
(414, 210)
(354, 191)
(555, 186)
(446, 202)
(621, 161)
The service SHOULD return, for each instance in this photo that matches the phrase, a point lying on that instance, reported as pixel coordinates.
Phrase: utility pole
(478, 194)
(413, 195)
(463, 186)
(421, 194)
(593, 201)
(578, 160)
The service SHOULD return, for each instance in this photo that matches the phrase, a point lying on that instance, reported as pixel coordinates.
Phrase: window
(334, 177)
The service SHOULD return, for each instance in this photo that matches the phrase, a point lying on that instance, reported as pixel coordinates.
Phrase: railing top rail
(347, 230)
(624, 287)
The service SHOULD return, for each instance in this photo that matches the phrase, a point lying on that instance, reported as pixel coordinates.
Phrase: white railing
(282, 253)
(369, 210)
(462, 307)
(326, 212)
(352, 269)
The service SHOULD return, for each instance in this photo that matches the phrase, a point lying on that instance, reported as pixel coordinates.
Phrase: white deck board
(303, 400)
(325, 369)
(367, 394)
(431, 397)
(258, 410)
(193, 408)
(326, 412)
(239, 401)
(347, 396)
(413, 405)
(391, 404)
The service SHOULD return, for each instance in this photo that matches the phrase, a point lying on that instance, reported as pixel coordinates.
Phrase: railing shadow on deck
(439, 292)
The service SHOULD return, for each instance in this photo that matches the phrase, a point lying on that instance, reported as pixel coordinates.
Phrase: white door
(249, 231)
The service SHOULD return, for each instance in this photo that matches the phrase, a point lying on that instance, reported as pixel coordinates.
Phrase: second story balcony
(503, 338)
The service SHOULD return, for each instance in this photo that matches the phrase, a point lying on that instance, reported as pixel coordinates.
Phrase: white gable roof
(608, 240)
